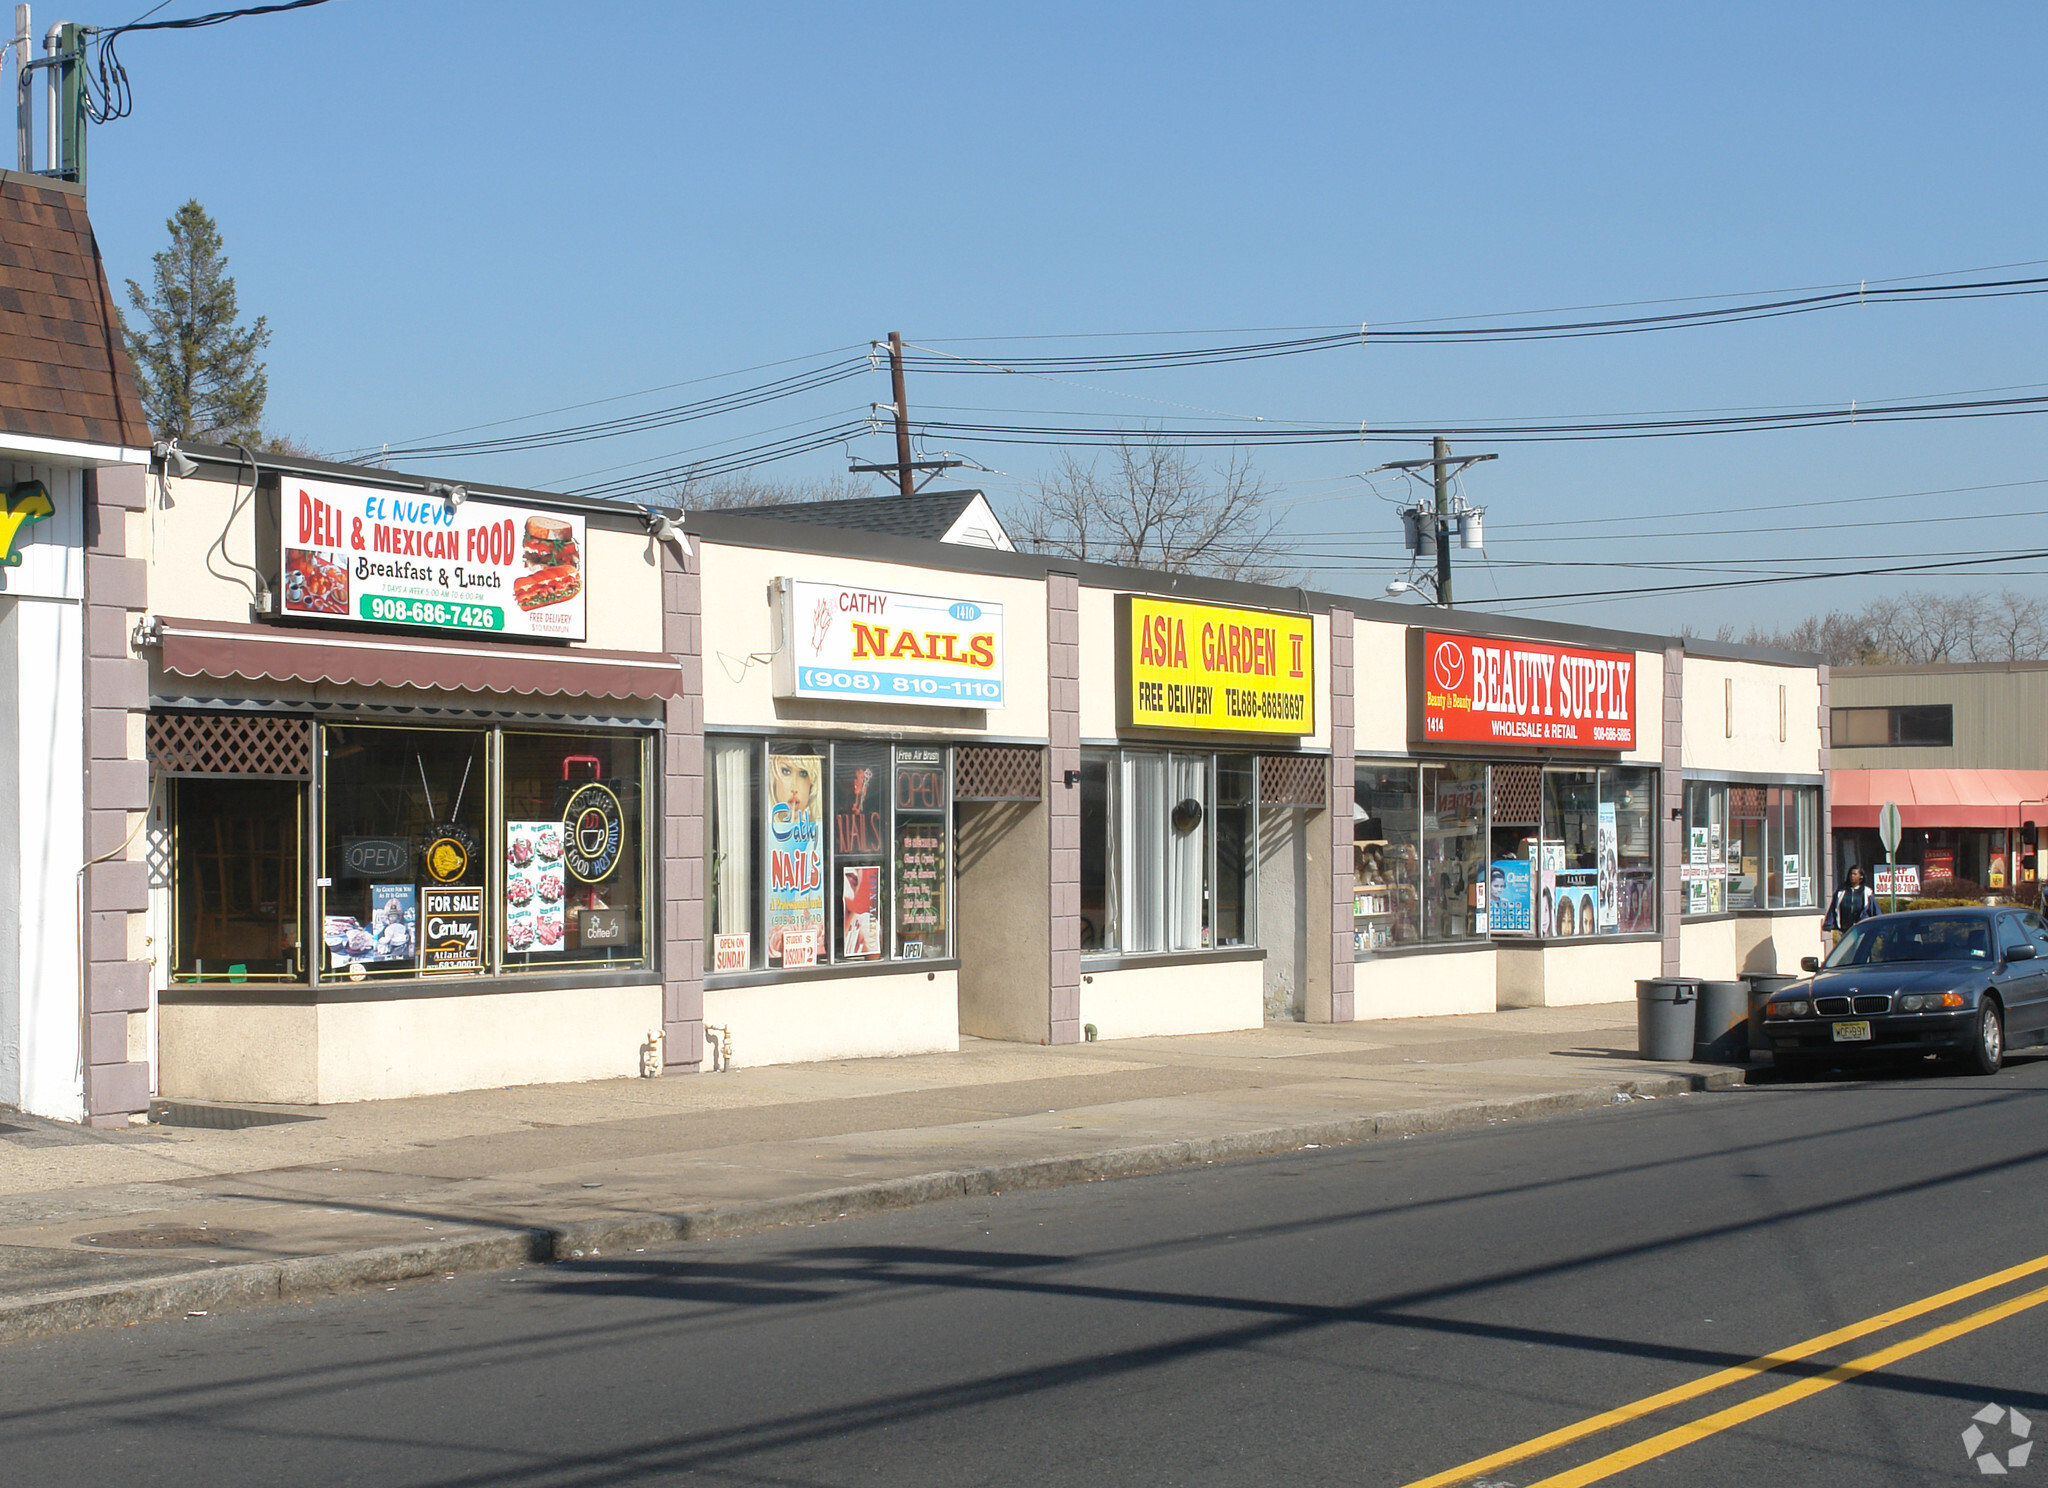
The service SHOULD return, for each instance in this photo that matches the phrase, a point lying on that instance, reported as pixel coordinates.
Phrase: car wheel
(1987, 1046)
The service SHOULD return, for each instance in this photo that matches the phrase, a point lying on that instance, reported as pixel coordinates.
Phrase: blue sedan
(1964, 984)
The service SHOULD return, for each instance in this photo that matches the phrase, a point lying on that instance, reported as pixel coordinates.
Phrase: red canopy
(1939, 798)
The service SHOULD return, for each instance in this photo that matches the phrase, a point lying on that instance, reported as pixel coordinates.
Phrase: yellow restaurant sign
(1215, 670)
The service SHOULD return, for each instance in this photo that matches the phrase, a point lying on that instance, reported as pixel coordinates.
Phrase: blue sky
(454, 213)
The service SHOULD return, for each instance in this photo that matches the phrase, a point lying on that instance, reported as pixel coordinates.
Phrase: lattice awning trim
(1517, 794)
(230, 744)
(997, 772)
(1294, 780)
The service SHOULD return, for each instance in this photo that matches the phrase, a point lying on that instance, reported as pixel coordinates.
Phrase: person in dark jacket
(1851, 903)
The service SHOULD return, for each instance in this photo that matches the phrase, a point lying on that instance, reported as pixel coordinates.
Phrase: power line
(116, 100)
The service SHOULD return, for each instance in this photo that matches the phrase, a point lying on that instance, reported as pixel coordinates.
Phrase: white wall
(1195, 997)
(1570, 974)
(857, 1017)
(1427, 986)
(1754, 743)
(42, 804)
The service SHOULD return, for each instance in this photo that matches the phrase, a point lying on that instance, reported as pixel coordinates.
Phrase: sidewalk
(117, 1226)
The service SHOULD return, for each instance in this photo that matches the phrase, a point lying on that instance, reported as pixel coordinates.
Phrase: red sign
(1482, 690)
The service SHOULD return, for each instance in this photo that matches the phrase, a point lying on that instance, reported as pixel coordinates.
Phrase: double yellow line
(1679, 1436)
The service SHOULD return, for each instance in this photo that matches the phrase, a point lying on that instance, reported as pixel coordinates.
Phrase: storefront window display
(238, 880)
(1168, 851)
(406, 883)
(1750, 847)
(1462, 851)
(826, 853)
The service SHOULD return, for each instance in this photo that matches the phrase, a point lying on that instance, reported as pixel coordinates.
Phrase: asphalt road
(1375, 1314)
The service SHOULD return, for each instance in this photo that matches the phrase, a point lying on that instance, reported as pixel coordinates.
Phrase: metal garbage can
(1665, 1018)
(1762, 988)
(1721, 1033)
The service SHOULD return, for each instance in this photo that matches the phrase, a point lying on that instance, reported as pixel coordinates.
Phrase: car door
(2029, 1020)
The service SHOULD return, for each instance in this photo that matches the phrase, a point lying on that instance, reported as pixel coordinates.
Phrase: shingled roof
(64, 372)
(937, 516)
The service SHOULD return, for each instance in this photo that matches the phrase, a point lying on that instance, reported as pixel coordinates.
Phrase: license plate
(1846, 1033)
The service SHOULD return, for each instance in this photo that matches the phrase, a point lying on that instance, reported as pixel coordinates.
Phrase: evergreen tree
(199, 373)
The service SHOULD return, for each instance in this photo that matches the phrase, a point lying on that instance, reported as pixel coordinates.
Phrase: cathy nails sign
(875, 645)
(1478, 689)
(402, 558)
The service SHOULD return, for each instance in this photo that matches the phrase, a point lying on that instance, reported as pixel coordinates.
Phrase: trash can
(1762, 988)
(1665, 1020)
(1721, 1035)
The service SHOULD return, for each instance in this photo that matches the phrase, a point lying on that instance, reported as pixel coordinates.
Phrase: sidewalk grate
(218, 1118)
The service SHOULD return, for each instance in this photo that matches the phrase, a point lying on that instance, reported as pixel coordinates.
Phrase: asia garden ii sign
(1213, 668)
(1483, 689)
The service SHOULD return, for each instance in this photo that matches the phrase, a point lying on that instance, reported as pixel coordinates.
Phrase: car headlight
(1916, 1004)
(1795, 1009)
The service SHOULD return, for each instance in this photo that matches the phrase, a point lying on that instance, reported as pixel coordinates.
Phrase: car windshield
(1915, 938)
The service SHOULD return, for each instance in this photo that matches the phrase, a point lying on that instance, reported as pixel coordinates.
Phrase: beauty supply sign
(1213, 669)
(379, 557)
(878, 646)
(1483, 690)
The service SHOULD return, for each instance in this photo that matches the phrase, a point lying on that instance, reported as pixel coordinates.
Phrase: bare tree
(732, 492)
(1921, 628)
(1157, 507)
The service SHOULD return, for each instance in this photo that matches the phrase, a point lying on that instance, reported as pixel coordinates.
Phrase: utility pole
(25, 97)
(902, 413)
(1441, 450)
(905, 468)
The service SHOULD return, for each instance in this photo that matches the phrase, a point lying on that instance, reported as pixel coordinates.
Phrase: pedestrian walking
(1851, 903)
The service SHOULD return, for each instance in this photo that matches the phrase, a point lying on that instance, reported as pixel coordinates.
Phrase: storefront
(406, 818)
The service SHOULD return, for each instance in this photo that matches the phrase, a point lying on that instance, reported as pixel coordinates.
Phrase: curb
(302, 1277)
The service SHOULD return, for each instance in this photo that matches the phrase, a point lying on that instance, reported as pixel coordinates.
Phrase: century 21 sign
(1484, 689)
(1213, 669)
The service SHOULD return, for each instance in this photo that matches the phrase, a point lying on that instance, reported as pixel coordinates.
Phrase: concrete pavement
(119, 1226)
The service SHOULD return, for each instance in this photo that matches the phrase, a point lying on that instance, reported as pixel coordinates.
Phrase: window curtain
(1142, 826)
(732, 838)
(1188, 852)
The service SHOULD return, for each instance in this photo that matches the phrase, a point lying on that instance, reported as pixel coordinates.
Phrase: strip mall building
(333, 784)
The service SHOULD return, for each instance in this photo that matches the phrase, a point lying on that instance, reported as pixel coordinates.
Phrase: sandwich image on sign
(554, 567)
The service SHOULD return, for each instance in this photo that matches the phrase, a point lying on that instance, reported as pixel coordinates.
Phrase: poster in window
(921, 888)
(534, 919)
(796, 857)
(452, 930)
(1696, 850)
(1637, 911)
(860, 899)
(731, 952)
(1509, 900)
(388, 938)
(1938, 863)
(1610, 871)
(1569, 904)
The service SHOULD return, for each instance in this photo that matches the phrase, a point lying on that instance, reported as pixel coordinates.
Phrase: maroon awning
(220, 648)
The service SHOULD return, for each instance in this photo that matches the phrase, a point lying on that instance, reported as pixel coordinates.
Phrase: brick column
(116, 693)
(1343, 781)
(682, 816)
(1670, 822)
(1063, 802)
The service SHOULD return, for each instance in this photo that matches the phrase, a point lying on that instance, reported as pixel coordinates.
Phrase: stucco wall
(351, 1051)
(1732, 717)
(1570, 974)
(739, 644)
(1741, 945)
(1427, 986)
(1192, 997)
(1001, 889)
(858, 1017)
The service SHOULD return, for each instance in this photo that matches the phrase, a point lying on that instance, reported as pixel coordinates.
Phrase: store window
(1169, 851)
(821, 853)
(1750, 847)
(433, 852)
(1462, 850)
(237, 880)
(1924, 726)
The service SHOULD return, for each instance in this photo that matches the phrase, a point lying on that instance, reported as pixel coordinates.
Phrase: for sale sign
(1488, 690)
(383, 557)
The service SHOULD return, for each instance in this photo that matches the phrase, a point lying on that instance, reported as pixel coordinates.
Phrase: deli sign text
(1490, 690)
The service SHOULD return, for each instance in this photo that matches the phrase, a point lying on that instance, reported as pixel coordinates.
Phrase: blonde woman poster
(796, 859)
